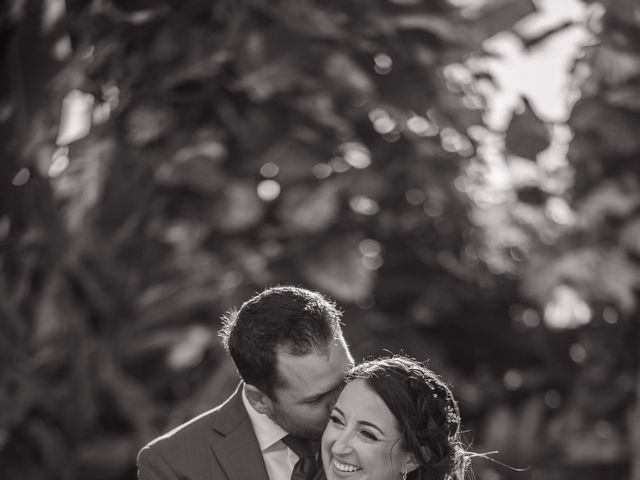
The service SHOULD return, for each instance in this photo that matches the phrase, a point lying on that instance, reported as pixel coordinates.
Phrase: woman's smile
(345, 467)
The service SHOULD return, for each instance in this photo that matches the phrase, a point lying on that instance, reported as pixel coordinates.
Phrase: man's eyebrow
(361, 422)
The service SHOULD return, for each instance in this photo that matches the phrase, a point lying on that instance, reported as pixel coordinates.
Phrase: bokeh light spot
(566, 309)
(530, 318)
(552, 398)
(433, 208)
(421, 126)
(321, 170)
(59, 162)
(578, 353)
(382, 63)
(21, 177)
(384, 125)
(356, 154)
(370, 247)
(269, 170)
(610, 315)
(339, 165)
(415, 196)
(364, 205)
(513, 379)
(268, 190)
(365, 302)
(372, 263)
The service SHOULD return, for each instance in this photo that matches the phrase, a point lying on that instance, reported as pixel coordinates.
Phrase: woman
(394, 419)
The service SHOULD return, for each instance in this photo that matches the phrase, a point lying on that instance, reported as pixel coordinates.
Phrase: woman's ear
(411, 464)
(260, 402)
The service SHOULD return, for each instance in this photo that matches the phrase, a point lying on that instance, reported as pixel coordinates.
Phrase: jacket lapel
(237, 450)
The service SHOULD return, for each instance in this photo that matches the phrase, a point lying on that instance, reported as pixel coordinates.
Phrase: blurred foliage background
(164, 161)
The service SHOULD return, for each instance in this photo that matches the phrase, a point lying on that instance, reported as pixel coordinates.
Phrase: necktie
(306, 467)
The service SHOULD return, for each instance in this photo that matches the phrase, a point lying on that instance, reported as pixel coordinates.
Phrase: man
(288, 347)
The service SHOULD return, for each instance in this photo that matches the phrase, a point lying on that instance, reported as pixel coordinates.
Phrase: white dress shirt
(278, 458)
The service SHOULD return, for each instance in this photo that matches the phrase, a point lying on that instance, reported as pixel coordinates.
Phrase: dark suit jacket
(217, 445)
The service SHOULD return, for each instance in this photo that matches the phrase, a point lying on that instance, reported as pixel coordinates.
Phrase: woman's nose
(342, 443)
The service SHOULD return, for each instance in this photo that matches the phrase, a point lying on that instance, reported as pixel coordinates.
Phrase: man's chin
(296, 429)
(307, 434)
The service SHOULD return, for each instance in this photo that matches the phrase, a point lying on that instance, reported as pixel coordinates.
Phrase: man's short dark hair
(290, 319)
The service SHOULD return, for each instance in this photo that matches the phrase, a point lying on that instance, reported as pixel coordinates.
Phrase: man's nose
(330, 399)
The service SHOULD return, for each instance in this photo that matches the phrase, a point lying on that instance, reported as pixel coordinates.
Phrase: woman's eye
(369, 435)
(335, 419)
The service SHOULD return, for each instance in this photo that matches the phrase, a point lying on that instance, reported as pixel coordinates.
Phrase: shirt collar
(267, 431)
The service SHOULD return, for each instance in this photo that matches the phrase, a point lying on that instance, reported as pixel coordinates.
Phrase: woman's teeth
(344, 467)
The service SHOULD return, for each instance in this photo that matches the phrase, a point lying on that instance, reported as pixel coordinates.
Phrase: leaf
(54, 310)
(320, 107)
(530, 420)
(80, 186)
(612, 66)
(263, 83)
(347, 74)
(189, 350)
(294, 157)
(238, 209)
(53, 449)
(497, 16)
(625, 11)
(626, 96)
(195, 167)
(310, 20)
(267, 65)
(527, 135)
(617, 138)
(367, 183)
(338, 269)
(499, 429)
(128, 397)
(609, 200)
(19, 394)
(170, 303)
(441, 27)
(133, 17)
(307, 210)
(630, 236)
(196, 70)
(106, 456)
(532, 41)
(147, 123)
(215, 390)
(597, 275)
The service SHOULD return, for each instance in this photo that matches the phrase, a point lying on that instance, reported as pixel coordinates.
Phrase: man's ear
(260, 402)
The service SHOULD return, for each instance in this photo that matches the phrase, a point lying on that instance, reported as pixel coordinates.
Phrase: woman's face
(362, 441)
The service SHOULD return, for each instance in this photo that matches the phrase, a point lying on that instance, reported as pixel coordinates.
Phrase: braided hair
(425, 410)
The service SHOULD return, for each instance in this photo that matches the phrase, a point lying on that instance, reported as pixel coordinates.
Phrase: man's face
(312, 384)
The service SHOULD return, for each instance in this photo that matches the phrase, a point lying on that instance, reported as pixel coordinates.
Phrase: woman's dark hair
(289, 319)
(425, 410)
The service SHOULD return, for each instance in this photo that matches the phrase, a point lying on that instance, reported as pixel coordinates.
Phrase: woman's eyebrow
(361, 422)
(372, 425)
